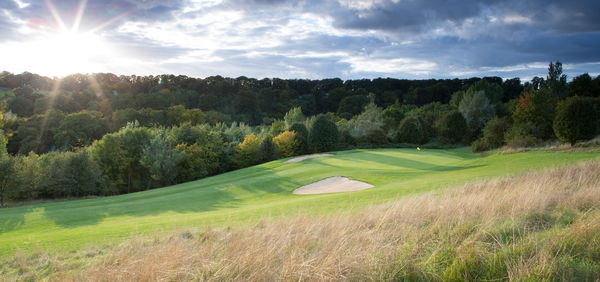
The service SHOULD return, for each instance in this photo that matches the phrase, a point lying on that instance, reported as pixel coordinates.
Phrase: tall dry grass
(537, 226)
(541, 225)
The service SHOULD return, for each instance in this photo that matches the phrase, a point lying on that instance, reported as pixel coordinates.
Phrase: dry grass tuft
(542, 225)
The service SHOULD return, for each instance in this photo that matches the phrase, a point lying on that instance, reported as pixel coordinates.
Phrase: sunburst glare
(62, 50)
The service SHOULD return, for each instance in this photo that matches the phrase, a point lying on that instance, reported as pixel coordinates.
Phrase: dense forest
(103, 134)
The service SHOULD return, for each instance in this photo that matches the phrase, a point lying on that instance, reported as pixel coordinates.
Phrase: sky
(308, 39)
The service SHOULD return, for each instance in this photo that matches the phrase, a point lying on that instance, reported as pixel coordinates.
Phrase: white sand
(299, 159)
(333, 184)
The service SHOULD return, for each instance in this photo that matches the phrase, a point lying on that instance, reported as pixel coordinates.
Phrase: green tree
(537, 108)
(286, 144)
(452, 127)
(295, 115)
(583, 86)
(119, 155)
(409, 131)
(6, 174)
(477, 110)
(5, 168)
(576, 120)
(160, 159)
(323, 134)
(277, 127)
(301, 137)
(352, 105)
(394, 114)
(247, 153)
(366, 122)
(80, 129)
(493, 134)
(268, 152)
(556, 81)
(203, 157)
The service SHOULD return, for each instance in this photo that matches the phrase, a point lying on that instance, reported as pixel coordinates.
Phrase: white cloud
(516, 18)
(391, 66)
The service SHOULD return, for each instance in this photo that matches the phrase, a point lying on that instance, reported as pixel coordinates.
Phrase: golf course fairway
(264, 191)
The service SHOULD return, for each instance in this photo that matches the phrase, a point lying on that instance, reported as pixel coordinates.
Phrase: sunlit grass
(249, 195)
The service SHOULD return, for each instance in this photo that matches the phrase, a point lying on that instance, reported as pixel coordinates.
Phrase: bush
(286, 144)
(410, 131)
(523, 135)
(576, 120)
(452, 127)
(323, 135)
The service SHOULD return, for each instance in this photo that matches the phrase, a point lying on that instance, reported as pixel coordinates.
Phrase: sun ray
(109, 22)
(49, 106)
(99, 92)
(56, 15)
(79, 15)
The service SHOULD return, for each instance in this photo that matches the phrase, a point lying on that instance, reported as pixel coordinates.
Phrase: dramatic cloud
(311, 38)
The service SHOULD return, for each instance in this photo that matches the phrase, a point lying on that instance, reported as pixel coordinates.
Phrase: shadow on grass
(208, 194)
(409, 163)
(12, 218)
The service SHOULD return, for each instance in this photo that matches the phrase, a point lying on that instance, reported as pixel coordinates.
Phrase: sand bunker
(333, 184)
(299, 159)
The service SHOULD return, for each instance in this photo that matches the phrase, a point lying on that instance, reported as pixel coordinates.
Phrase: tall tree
(323, 134)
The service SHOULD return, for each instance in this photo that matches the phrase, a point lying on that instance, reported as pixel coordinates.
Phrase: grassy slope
(250, 194)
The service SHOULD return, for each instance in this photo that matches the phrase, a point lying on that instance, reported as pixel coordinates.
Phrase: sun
(60, 50)
(61, 53)
(70, 52)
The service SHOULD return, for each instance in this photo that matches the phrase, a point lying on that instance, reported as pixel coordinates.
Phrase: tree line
(91, 135)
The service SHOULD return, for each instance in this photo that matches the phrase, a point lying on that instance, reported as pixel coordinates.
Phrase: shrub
(576, 120)
(323, 135)
(523, 135)
(286, 144)
(452, 127)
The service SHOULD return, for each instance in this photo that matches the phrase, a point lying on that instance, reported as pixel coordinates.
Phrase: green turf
(247, 195)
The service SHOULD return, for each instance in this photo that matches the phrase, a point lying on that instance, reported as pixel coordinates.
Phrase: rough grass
(536, 226)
